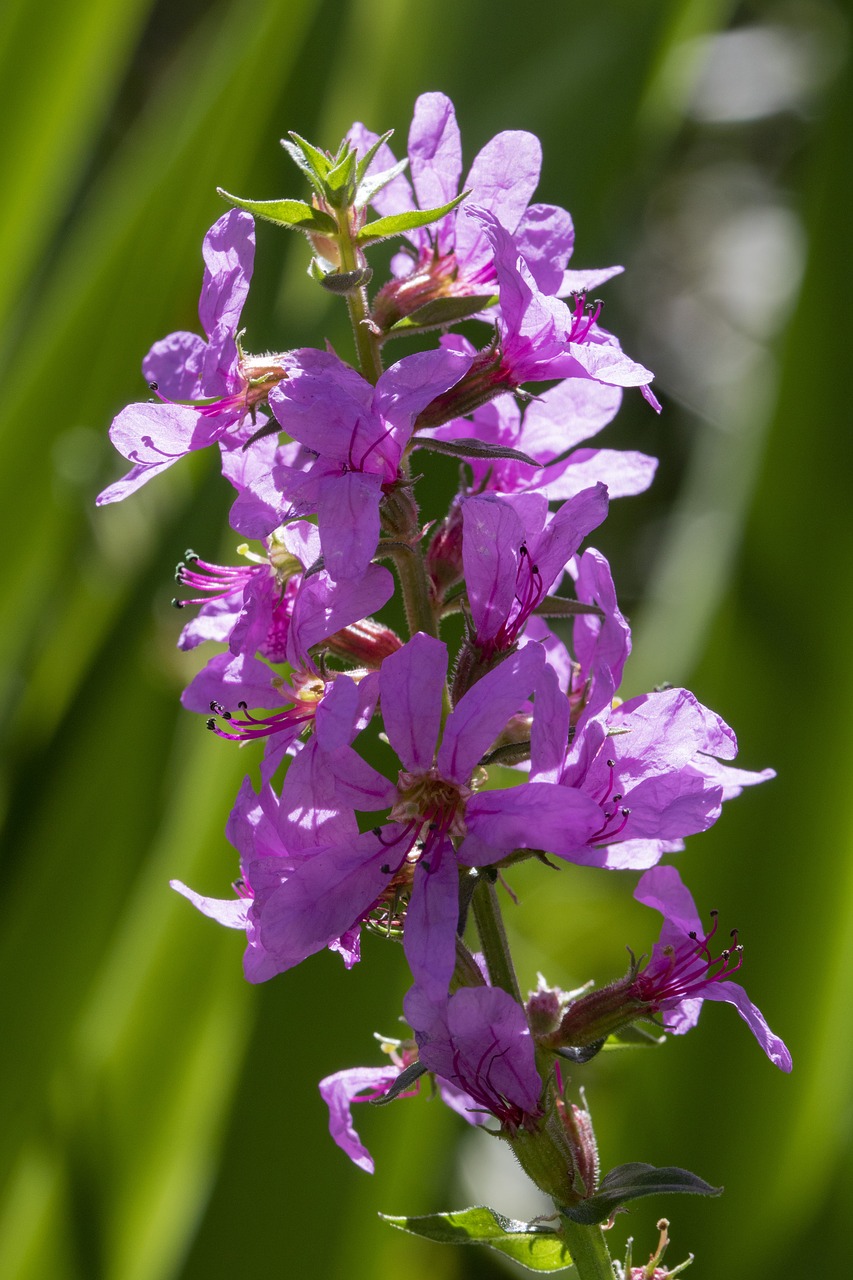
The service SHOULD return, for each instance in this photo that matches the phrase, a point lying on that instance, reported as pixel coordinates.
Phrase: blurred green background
(160, 1118)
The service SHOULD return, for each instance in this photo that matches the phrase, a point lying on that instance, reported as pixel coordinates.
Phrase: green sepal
(286, 213)
(535, 1247)
(441, 311)
(632, 1182)
(396, 223)
(561, 607)
(465, 448)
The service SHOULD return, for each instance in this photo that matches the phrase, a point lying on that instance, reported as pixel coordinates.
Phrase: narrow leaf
(286, 213)
(560, 607)
(313, 161)
(632, 1182)
(442, 311)
(298, 157)
(396, 223)
(339, 181)
(466, 448)
(535, 1247)
(368, 187)
(633, 1037)
(404, 1081)
(365, 161)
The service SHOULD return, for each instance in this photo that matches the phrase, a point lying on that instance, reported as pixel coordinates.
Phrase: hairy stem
(409, 563)
(367, 342)
(588, 1249)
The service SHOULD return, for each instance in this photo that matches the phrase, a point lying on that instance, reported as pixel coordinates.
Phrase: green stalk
(490, 926)
(588, 1249)
(366, 341)
(409, 563)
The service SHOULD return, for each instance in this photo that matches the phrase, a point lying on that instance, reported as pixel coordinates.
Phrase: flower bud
(544, 1008)
(366, 643)
(444, 553)
(399, 511)
(577, 1123)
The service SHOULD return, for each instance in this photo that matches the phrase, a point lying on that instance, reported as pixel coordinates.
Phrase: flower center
(430, 801)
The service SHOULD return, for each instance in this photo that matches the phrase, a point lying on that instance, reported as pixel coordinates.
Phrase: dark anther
(244, 706)
(617, 798)
(215, 706)
(152, 386)
(433, 826)
(714, 913)
(692, 934)
(377, 831)
(534, 568)
(522, 550)
(176, 603)
(626, 813)
(426, 866)
(211, 724)
(611, 764)
(385, 869)
(190, 555)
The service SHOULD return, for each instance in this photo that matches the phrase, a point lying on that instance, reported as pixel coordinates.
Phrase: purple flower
(183, 367)
(283, 624)
(368, 1084)
(514, 551)
(254, 830)
(358, 434)
(479, 1041)
(683, 971)
(653, 764)
(452, 257)
(552, 424)
(541, 338)
(406, 871)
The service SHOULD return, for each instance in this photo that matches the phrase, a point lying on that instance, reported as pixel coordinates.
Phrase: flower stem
(409, 563)
(588, 1249)
(367, 343)
(490, 926)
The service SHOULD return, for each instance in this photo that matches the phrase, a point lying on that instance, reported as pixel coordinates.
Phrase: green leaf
(465, 448)
(396, 223)
(442, 311)
(633, 1037)
(286, 213)
(365, 161)
(339, 184)
(535, 1247)
(632, 1182)
(313, 162)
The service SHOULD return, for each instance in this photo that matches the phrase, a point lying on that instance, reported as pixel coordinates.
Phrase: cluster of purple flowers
(319, 452)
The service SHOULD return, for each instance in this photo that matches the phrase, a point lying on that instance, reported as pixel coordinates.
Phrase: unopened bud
(444, 553)
(544, 1008)
(367, 643)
